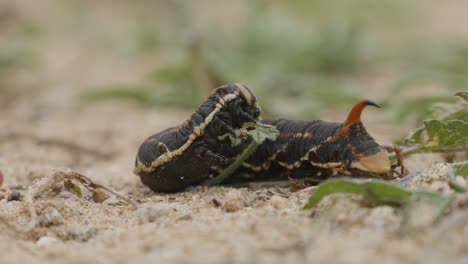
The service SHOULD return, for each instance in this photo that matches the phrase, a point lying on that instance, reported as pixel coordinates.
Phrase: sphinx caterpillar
(189, 154)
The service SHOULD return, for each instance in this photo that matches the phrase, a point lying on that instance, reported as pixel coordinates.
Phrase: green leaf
(458, 169)
(259, 132)
(374, 191)
(440, 134)
(383, 192)
(380, 192)
(263, 132)
(461, 168)
(333, 186)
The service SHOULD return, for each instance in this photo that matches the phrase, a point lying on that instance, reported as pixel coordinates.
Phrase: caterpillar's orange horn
(355, 114)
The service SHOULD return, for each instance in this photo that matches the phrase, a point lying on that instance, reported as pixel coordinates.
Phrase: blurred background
(304, 59)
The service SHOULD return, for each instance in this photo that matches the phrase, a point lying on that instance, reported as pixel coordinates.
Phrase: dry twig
(41, 185)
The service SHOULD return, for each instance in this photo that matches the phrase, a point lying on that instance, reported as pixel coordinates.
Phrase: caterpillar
(181, 156)
(315, 149)
(187, 155)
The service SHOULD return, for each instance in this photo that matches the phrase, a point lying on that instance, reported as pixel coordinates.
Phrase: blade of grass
(261, 133)
(333, 186)
(236, 164)
(118, 92)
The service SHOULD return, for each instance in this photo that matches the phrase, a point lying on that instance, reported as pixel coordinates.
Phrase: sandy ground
(201, 225)
(46, 129)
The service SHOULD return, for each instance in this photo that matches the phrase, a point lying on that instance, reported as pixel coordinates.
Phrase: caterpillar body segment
(182, 156)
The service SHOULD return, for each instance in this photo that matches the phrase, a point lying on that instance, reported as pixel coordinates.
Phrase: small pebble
(50, 216)
(439, 186)
(14, 196)
(185, 217)
(216, 203)
(149, 213)
(460, 181)
(46, 241)
(82, 236)
(112, 200)
(278, 202)
(234, 201)
(100, 196)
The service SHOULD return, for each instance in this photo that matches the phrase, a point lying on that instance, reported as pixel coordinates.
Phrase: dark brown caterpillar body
(316, 149)
(182, 156)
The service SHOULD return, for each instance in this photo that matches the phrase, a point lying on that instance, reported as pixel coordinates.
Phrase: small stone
(46, 241)
(278, 202)
(80, 235)
(234, 201)
(185, 217)
(112, 200)
(100, 196)
(460, 181)
(216, 203)
(50, 216)
(149, 213)
(71, 235)
(439, 186)
(14, 196)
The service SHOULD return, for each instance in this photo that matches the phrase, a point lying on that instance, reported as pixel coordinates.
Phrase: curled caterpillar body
(182, 156)
(316, 149)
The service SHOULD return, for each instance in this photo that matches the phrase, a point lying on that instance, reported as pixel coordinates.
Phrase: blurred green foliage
(17, 53)
(446, 132)
(300, 57)
(179, 93)
(294, 71)
(421, 108)
(447, 129)
(444, 66)
(442, 63)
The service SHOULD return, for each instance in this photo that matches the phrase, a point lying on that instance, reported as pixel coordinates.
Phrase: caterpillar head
(238, 89)
(246, 94)
(151, 150)
(367, 155)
